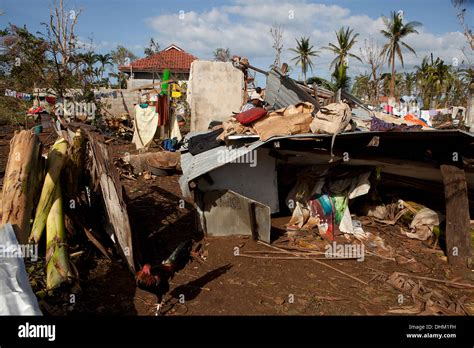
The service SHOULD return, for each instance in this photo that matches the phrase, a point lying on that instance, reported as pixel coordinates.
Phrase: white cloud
(244, 27)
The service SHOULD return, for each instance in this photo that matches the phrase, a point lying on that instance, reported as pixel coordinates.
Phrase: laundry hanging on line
(163, 110)
(18, 95)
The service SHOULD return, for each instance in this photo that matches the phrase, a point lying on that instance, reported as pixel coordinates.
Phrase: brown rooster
(156, 279)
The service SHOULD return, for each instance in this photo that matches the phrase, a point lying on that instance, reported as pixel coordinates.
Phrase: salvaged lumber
(106, 178)
(23, 175)
(458, 229)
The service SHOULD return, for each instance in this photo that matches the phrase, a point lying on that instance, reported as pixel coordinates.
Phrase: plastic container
(166, 77)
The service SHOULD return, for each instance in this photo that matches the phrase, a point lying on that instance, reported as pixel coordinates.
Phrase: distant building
(150, 69)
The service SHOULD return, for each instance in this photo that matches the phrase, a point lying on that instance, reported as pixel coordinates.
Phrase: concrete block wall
(117, 107)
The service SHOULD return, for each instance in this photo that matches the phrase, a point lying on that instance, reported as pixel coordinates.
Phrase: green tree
(24, 59)
(346, 39)
(304, 53)
(395, 31)
(409, 83)
(362, 86)
(153, 48)
(321, 82)
(121, 79)
(122, 56)
(439, 83)
(104, 60)
(341, 80)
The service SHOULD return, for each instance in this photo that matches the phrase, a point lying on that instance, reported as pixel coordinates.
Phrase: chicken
(156, 279)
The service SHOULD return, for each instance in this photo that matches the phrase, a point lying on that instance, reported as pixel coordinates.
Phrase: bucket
(38, 129)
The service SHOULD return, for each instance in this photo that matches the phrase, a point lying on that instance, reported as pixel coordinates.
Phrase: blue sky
(243, 25)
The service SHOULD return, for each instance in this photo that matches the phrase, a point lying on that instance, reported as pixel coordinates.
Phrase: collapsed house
(248, 172)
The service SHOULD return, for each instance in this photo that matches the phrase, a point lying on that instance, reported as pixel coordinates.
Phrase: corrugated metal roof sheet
(195, 166)
(283, 91)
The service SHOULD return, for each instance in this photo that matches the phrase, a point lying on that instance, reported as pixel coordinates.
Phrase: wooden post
(23, 176)
(458, 229)
(315, 91)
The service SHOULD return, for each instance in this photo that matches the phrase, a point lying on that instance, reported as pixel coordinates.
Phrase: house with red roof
(150, 69)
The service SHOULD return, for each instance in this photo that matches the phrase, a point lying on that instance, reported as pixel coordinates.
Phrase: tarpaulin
(16, 295)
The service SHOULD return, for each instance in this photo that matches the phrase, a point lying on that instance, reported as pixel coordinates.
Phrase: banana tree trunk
(22, 183)
(57, 261)
(55, 162)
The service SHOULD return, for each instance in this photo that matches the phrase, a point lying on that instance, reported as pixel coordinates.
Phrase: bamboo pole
(318, 262)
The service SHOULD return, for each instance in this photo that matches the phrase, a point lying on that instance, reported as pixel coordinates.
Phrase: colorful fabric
(378, 125)
(163, 110)
(330, 211)
(414, 119)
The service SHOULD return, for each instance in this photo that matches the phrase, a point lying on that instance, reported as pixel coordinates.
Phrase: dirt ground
(226, 284)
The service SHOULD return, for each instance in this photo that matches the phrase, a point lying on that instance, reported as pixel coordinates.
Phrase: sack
(283, 125)
(204, 142)
(332, 119)
(251, 115)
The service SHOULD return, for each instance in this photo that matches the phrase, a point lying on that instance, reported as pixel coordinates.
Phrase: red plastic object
(251, 115)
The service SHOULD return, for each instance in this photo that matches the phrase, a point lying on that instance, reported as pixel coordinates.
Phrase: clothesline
(18, 95)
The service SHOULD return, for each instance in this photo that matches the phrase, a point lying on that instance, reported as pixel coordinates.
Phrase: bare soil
(226, 284)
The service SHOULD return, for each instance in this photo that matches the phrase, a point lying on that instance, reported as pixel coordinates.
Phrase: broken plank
(105, 176)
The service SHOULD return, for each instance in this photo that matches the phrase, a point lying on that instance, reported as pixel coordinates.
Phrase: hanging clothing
(175, 131)
(146, 120)
(163, 110)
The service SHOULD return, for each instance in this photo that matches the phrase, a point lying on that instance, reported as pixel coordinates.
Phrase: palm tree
(341, 80)
(409, 80)
(345, 41)
(305, 52)
(433, 79)
(103, 59)
(362, 86)
(395, 30)
(121, 79)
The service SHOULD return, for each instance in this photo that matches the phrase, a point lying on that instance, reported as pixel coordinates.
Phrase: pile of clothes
(321, 199)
